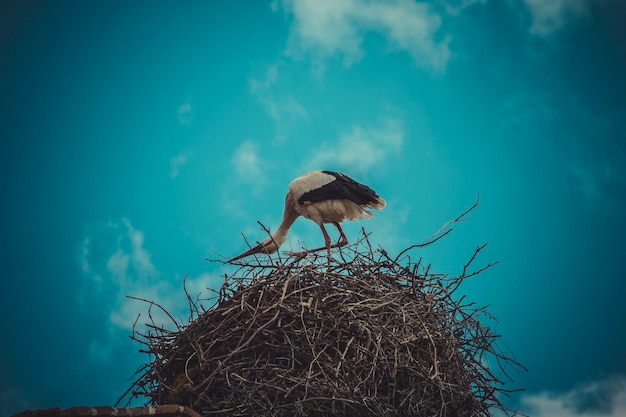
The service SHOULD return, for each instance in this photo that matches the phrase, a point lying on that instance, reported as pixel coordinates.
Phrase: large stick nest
(361, 334)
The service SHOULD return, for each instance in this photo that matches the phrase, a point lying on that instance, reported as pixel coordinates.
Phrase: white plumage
(324, 197)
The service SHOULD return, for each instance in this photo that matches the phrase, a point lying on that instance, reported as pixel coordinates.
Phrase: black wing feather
(343, 188)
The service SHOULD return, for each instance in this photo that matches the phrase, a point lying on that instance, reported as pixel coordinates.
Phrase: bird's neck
(289, 216)
(280, 235)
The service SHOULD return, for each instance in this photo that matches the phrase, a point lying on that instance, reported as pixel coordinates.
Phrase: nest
(361, 334)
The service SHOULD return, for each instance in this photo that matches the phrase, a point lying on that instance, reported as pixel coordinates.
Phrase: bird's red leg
(343, 241)
(327, 246)
(326, 239)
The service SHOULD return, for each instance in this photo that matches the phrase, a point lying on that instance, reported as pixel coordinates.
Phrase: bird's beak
(260, 248)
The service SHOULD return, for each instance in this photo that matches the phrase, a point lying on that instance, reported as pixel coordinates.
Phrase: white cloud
(325, 28)
(454, 7)
(248, 164)
(596, 399)
(360, 149)
(250, 176)
(283, 108)
(115, 263)
(197, 286)
(177, 162)
(263, 84)
(293, 108)
(140, 257)
(548, 16)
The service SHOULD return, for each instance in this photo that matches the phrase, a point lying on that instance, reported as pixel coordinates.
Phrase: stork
(324, 197)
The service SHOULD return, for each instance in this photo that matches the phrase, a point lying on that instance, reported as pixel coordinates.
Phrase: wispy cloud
(602, 183)
(360, 148)
(186, 113)
(116, 264)
(596, 399)
(248, 165)
(326, 28)
(454, 7)
(548, 16)
(523, 110)
(249, 176)
(177, 162)
(284, 109)
(14, 400)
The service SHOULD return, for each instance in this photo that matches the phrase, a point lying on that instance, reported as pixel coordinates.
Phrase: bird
(325, 197)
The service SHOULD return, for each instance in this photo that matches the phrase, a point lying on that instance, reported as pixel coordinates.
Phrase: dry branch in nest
(366, 335)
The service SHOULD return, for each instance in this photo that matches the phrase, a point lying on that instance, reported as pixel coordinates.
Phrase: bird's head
(269, 245)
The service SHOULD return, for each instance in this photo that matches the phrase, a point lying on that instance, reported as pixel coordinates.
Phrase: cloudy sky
(138, 138)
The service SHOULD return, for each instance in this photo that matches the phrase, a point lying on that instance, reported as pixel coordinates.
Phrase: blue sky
(138, 138)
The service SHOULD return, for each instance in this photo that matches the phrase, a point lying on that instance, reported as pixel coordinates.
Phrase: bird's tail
(377, 204)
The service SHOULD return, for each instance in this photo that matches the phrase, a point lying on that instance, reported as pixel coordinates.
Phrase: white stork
(324, 197)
